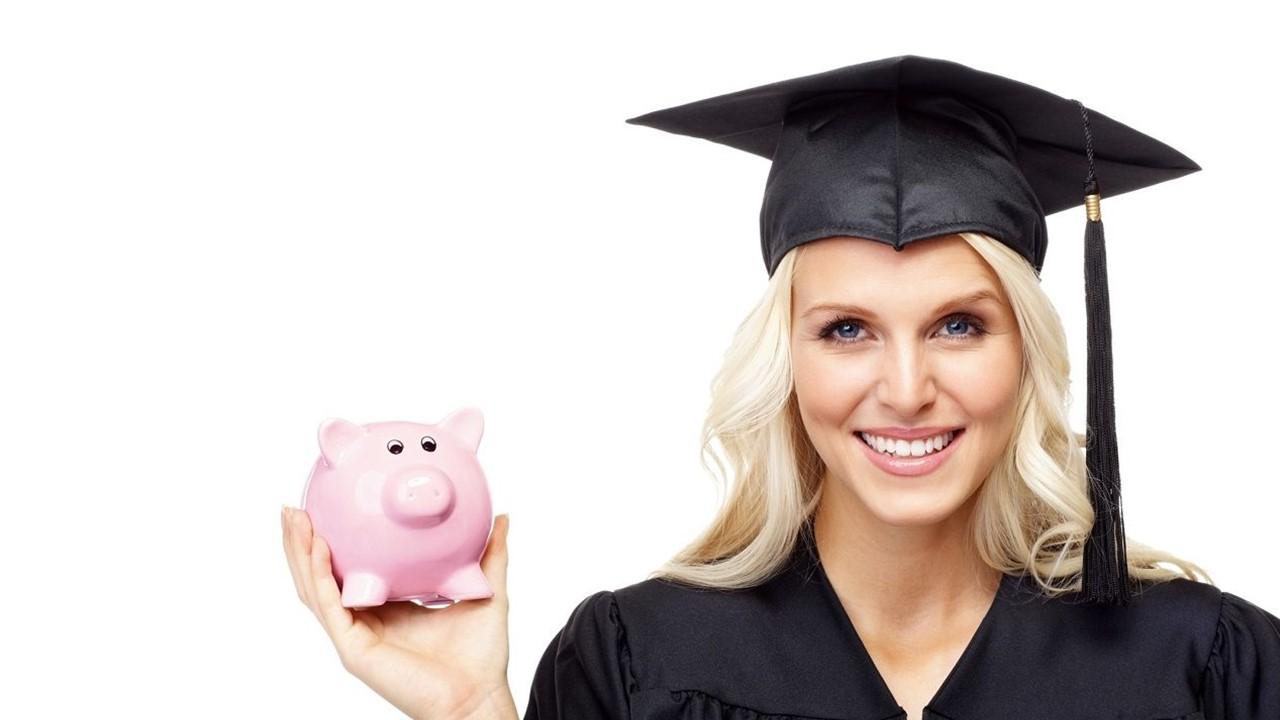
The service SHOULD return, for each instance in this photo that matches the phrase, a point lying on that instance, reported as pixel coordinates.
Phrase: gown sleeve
(585, 672)
(1242, 678)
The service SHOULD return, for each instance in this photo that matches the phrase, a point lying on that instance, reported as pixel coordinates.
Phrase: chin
(906, 506)
(900, 512)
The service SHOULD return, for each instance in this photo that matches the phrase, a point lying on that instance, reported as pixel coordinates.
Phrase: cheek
(827, 389)
(985, 384)
(987, 393)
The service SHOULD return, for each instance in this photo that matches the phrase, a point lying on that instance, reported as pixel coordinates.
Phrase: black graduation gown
(1182, 650)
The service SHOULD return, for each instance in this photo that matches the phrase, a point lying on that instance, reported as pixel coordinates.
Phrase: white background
(223, 222)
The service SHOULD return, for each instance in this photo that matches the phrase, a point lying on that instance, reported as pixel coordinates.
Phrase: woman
(914, 530)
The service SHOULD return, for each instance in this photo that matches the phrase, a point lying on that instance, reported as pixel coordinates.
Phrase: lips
(911, 466)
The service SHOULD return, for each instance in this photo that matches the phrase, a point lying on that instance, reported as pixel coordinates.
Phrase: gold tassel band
(1093, 206)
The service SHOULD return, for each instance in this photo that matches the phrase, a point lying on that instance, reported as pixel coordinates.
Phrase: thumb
(494, 561)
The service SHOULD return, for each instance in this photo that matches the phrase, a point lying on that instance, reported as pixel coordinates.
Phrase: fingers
(314, 570)
(292, 556)
(298, 542)
(494, 561)
(289, 555)
(327, 599)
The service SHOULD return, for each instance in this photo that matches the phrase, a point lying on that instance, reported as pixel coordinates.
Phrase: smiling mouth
(954, 435)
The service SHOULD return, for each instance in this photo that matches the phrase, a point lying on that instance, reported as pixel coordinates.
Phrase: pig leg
(467, 583)
(363, 590)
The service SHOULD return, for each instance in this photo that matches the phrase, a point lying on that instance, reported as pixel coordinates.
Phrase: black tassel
(1105, 576)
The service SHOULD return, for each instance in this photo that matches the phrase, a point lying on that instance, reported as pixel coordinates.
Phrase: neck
(900, 576)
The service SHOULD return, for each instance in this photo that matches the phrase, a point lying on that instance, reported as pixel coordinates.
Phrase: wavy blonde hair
(1032, 513)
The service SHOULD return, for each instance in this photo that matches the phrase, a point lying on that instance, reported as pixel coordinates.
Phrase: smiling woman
(913, 529)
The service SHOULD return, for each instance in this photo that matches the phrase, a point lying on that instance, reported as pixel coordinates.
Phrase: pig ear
(336, 435)
(468, 424)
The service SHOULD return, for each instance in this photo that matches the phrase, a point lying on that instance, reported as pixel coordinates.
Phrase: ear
(468, 424)
(335, 436)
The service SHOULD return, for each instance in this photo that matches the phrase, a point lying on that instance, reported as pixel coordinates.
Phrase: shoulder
(1237, 610)
(687, 636)
(1246, 630)
(659, 600)
(653, 609)
(658, 613)
(1239, 677)
(662, 610)
(1179, 605)
(702, 652)
(1170, 624)
(1177, 602)
(656, 606)
(1173, 600)
(1178, 615)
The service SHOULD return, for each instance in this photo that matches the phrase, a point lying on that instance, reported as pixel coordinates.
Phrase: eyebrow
(973, 297)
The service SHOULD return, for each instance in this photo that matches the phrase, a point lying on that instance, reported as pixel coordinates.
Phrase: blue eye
(838, 325)
(844, 330)
(961, 322)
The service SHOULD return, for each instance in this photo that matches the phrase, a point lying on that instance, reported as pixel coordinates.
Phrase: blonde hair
(1032, 513)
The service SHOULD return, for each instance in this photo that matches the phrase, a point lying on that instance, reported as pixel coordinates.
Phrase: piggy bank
(404, 508)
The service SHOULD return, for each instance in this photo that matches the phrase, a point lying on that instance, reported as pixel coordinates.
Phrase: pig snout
(419, 497)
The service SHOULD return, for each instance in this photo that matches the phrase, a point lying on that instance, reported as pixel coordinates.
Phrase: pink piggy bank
(404, 508)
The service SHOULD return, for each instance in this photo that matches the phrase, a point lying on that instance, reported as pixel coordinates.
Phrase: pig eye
(395, 447)
(428, 443)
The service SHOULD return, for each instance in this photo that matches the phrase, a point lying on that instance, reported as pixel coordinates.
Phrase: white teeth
(909, 448)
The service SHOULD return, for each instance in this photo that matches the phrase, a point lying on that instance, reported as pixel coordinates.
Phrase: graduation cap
(908, 147)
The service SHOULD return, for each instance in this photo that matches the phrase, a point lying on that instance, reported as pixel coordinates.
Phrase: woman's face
(911, 353)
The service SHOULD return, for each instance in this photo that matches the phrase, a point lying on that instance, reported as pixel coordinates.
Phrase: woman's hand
(434, 664)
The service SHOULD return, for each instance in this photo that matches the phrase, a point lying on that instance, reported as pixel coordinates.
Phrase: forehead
(859, 269)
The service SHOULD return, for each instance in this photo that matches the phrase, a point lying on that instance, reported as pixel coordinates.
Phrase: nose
(419, 497)
(906, 381)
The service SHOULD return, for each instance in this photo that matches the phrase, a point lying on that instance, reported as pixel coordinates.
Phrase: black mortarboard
(910, 147)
